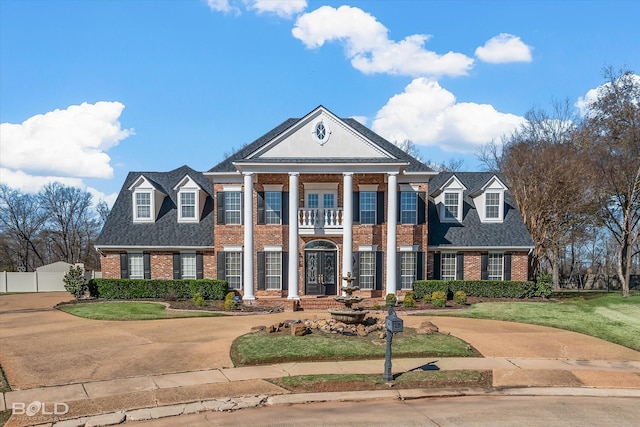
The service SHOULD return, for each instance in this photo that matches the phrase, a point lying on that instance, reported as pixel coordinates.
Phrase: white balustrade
(320, 219)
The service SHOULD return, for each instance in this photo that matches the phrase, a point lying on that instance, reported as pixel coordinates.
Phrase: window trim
(277, 255)
(374, 207)
(448, 255)
(183, 256)
(372, 276)
(268, 210)
(227, 210)
(414, 276)
(136, 205)
(489, 257)
(226, 269)
(414, 211)
(445, 211)
(181, 204)
(131, 256)
(500, 206)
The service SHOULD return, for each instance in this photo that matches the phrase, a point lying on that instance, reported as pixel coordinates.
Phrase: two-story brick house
(292, 213)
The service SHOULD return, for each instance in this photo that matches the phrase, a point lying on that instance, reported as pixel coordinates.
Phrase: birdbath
(348, 314)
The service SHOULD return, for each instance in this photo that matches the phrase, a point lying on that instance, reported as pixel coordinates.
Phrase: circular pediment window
(321, 132)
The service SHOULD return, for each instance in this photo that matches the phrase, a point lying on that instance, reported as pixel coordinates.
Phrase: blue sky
(90, 90)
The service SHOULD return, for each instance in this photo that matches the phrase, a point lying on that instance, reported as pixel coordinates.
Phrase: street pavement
(104, 373)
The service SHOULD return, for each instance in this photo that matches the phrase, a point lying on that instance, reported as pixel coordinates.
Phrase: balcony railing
(320, 221)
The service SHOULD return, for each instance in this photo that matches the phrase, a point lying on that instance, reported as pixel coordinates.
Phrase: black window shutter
(507, 266)
(220, 206)
(355, 268)
(241, 207)
(398, 270)
(356, 207)
(399, 210)
(146, 262)
(177, 270)
(261, 214)
(380, 207)
(285, 271)
(437, 266)
(124, 266)
(285, 208)
(379, 270)
(261, 272)
(484, 265)
(420, 266)
(422, 207)
(222, 274)
(460, 266)
(199, 266)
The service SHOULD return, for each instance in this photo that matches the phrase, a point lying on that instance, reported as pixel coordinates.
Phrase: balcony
(320, 221)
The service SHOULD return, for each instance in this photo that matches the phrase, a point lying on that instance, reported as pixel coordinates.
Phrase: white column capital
(294, 173)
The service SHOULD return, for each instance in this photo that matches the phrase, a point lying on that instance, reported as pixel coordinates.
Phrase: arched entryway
(320, 274)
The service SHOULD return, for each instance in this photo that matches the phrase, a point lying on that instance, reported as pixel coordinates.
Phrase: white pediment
(321, 135)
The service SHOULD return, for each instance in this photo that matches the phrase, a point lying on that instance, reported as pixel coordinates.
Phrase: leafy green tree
(75, 282)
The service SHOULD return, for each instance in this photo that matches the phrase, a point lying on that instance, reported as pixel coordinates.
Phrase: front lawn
(129, 311)
(264, 348)
(609, 317)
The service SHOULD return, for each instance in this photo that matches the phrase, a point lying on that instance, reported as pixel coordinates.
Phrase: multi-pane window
(273, 270)
(408, 207)
(273, 207)
(495, 267)
(188, 205)
(233, 269)
(329, 200)
(448, 267)
(367, 270)
(492, 205)
(143, 205)
(407, 270)
(188, 266)
(451, 204)
(232, 207)
(367, 207)
(136, 266)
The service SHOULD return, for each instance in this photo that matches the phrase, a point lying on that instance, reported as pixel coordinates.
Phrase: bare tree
(70, 221)
(611, 133)
(546, 177)
(21, 222)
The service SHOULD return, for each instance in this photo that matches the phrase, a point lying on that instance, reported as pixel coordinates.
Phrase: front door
(320, 272)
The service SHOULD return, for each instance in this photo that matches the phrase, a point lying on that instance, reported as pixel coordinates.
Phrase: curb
(236, 403)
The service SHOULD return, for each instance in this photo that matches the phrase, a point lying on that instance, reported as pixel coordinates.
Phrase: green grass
(610, 317)
(129, 311)
(263, 348)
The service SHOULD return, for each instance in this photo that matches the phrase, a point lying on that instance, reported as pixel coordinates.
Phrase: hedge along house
(288, 216)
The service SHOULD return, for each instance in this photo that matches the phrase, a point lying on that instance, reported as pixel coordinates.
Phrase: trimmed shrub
(390, 299)
(376, 306)
(198, 300)
(75, 282)
(477, 288)
(544, 285)
(148, 288)
(439, 299)
(409, 300)
(460, 297)
(230, 301)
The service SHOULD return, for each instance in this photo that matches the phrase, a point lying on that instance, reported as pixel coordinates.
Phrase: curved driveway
(41, 346)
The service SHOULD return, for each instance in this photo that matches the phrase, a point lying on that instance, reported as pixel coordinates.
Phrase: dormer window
(492, 206)
(190, 198)
(188, 205)
(452, 206)
(142, 207)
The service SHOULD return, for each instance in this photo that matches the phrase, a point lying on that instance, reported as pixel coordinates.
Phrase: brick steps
(312, 304)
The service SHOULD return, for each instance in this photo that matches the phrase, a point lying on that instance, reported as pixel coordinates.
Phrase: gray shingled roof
(414, 165)
(120, 230)
(471, 232)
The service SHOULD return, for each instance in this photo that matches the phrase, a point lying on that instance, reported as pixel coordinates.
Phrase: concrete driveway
(42, 346)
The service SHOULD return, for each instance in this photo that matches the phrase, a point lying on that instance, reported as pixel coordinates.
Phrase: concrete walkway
(524, 359)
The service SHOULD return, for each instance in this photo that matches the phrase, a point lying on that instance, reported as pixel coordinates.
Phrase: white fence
(36, 281)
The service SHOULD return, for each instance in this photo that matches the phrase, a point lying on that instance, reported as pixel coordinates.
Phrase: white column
(392, 219)
(248, 238)
(347, 223)
(293, 236)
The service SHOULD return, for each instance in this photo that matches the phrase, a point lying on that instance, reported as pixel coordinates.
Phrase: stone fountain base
(348, 316)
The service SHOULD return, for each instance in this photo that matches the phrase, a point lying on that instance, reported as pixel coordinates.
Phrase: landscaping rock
(258, 328)
(426, 328)
(299, 329)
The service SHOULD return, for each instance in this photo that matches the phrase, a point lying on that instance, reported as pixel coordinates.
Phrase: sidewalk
(157, 396)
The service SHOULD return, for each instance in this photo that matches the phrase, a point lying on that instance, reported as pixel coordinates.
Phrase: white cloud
(282, 8)
(428, 114)
(367, 45)
(62, 146)
(67, 143)
(222, 6)
(584, 102)
(504, 48)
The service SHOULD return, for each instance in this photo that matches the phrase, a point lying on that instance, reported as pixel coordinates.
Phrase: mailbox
(394, 324)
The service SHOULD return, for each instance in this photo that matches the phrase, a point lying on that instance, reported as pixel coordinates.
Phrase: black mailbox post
(393, 325)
